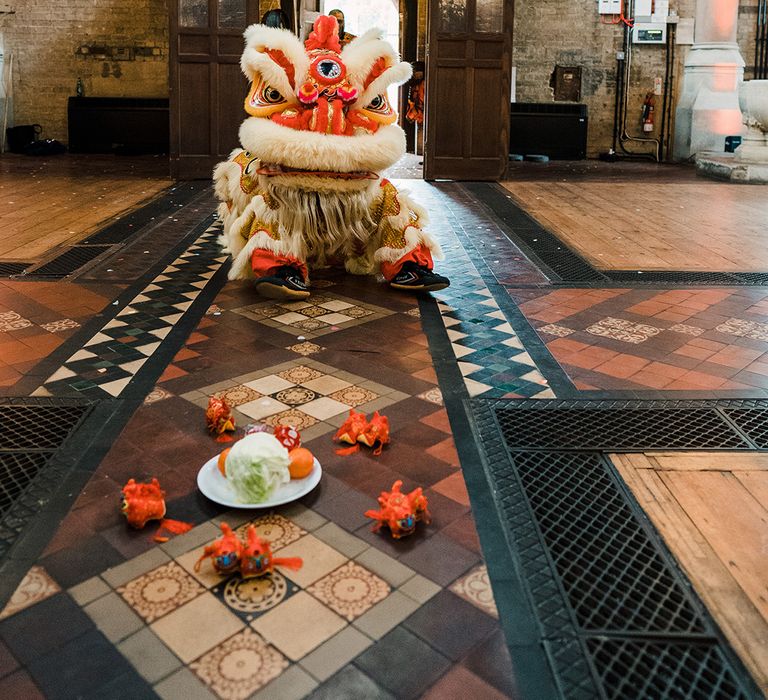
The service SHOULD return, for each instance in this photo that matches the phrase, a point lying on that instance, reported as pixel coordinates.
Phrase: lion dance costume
(304, 190)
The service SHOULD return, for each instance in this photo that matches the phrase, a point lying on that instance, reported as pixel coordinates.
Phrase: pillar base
(725, 166)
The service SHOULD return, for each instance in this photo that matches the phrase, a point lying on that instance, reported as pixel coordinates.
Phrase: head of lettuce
(256, 466)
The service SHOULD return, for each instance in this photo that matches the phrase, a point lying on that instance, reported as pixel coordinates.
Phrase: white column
(708, 106)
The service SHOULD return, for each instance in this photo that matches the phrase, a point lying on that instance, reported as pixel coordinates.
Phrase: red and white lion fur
(306, 185)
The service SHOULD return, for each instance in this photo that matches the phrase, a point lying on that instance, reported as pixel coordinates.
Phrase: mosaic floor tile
(251, 597)
(197, 627)
(475, 588)
(64, 324)
(299, 374)
(261, 408)
(295, 396)
(744, 328)
(11, 321)
(275, 528)
(318, 315)
(160, 591)
(350, 590)
(157, 394)
(294, 417)
(621, 329)
(434, 396)
(319, 559)
(240, 666)
(554, 329)
(238, 395)
(279, 626)
(353, 396)
(306, 348)
(36, 585)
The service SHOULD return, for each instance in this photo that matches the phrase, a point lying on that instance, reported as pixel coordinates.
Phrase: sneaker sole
(426, 288)
(278, 291)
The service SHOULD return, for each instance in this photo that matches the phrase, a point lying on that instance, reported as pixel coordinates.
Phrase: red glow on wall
(724, 77)
(725, 13)
(725, 121)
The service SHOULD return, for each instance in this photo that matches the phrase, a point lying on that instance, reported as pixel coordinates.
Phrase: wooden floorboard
(50, 202)
(714, 521)
(650, 221)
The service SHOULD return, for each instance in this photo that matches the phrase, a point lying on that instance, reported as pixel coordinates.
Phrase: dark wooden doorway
(207, 88)
(469, 58)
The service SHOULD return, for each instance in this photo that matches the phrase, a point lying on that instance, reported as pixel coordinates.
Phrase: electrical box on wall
(609, 7)
(651, 33)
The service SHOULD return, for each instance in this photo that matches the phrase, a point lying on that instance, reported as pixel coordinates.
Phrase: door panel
(207, 88)
(468, 84)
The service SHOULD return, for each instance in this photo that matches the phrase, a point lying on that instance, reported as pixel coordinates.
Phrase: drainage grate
(617, 618)
(38, 427)
(752, 422)
(68, 262)
(630, 669)
(612, 574)
(10, 269)
(627, 429)
(32, 431)
(684, 277)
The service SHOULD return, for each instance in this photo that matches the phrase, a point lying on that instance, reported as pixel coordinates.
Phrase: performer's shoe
(286, 283)
(417, 278)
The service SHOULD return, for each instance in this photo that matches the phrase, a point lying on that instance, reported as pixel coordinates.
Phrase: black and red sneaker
(286, 283)
(418, 278)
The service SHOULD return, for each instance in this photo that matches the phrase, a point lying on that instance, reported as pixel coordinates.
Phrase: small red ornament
(399, 511)
(288, 437)
(143, 502)
(350, 430)
(256, 558)
(219, 419)
(376, 433)
(224, 553)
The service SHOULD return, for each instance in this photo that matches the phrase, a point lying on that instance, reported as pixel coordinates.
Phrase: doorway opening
(386, 15)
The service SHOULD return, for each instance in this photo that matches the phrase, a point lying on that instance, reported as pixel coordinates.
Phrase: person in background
(344, 37)
(276, 18)
(415, 86)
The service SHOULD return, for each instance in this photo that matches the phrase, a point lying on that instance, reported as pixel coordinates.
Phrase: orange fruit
(302, 461)
(222, 461)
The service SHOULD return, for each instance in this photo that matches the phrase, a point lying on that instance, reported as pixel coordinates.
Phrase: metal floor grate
(9, 269)
(631, 669)
(612, 574)
(68, 262)
(633, 425)
(32, 431)
(617, 617)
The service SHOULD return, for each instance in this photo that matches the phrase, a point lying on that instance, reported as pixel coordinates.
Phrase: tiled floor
(642, 339)
(366, 616)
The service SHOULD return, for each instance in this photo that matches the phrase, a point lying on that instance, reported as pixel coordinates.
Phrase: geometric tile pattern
(36, 585)
(316, 316)
(475, 587)
(110, 359)
(238, 635)
(634, 339)
(240, 666)
(303, 393)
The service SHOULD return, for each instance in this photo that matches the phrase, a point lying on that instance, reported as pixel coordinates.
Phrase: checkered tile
(113, 355)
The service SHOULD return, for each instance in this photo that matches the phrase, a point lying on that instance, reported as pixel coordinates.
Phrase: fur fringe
(241, 265)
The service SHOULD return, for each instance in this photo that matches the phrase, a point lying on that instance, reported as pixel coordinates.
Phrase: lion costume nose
(328, 116)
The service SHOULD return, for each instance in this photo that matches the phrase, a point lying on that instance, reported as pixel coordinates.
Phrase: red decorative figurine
(376, 433)
(219, 419)
(399, 511)
(256, 558)
(143, 502)
(224, 553)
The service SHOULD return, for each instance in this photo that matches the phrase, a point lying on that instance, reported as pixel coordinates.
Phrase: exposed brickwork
(45, 38)
(548, 32)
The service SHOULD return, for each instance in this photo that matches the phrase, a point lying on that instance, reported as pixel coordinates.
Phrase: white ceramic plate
(214, 486)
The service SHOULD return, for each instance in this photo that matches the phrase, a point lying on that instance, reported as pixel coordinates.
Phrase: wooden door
(207, 87)
(469, 57)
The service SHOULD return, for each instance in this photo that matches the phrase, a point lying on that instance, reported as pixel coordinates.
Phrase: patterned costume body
(304, 190)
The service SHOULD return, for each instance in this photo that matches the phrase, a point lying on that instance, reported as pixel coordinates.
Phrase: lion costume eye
(380, 110)
(264, 100)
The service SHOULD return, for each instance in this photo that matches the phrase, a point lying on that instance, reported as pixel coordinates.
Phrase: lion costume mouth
(275, 169)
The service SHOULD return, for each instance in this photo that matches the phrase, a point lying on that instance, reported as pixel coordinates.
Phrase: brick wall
(551, 32)
(127, 54)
